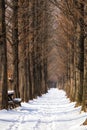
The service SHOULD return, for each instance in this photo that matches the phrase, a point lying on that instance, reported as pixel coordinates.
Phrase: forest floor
(51, 111)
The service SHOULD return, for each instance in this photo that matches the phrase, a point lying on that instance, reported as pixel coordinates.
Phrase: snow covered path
(52, 111)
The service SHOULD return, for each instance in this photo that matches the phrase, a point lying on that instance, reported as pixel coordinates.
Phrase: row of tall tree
(72, 39)
(23, 48)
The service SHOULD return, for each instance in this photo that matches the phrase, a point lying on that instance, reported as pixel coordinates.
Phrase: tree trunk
(3, 58)
(81, 54)
(15, 48)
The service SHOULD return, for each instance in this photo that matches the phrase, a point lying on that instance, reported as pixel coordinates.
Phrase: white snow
(17, 99)
(51, 111)
(10, 92)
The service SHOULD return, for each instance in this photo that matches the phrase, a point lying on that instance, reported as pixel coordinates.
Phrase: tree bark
(15, 48)
(3, 58)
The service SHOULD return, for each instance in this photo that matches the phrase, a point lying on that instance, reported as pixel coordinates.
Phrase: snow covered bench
(13, 102)
(10, 99)
(17, 101)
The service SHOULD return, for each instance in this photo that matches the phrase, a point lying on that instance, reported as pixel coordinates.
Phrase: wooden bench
(13, 102)
(10, 99)
(17, 101)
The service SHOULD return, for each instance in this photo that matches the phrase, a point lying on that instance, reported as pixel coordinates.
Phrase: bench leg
(10, 105)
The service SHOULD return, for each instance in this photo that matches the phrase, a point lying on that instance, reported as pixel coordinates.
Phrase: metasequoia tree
(24, 67)
(39, 47)
(12, 44)
(15, 42)
(3, 58)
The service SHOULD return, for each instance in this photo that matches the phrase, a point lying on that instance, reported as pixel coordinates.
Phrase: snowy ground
(52, 111)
